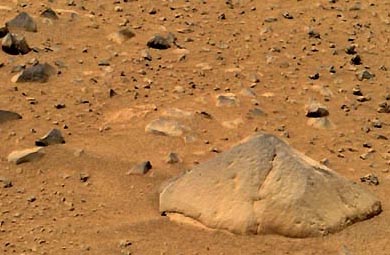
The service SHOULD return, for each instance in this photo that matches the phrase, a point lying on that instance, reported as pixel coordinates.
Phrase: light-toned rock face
(263, 186)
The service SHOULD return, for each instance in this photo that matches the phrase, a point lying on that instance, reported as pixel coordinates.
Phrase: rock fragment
(316, 110)
(370, 179)
(8, 116)
(49, 13)
(24, 22)
(173, 158)
(26, 155)
(364, 75)
(54, 136)
(227, 99)
(14, 44)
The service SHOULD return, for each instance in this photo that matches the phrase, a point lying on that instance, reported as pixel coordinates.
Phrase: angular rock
(24, 22)
(121, 36)
(227, 99)
(54, 136)
(316, 110)
(263, 186)
(8, 116)
(14, 44)
(50, 14)
(163, 126)
(37, 73)
(159, 42)
(26, 155)
(141, 168)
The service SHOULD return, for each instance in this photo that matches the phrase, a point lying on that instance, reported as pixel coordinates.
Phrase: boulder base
(263, 186)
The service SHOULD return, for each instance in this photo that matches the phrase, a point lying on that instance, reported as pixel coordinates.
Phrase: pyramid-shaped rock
(263, 186)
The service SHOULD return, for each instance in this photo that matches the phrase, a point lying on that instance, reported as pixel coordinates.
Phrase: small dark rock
(54, 136)
(84, 177)
(314, 34)
(315, 76)
(356, 60)
(350, 50)
(50, 14)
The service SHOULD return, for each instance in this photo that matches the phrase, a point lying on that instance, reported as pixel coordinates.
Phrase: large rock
(263, 186)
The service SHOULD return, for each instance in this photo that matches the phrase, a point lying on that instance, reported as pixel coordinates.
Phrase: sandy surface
(48, 210)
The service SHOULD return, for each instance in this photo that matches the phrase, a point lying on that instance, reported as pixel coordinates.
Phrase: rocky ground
(131, 110)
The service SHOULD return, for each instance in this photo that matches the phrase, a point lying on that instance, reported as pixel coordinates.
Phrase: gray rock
(8, 116)
(263, 186)
(54, 136)
(159, 42)
(168, 127)
(50, 14)
(26, 155)
(15, 44)
(141, 168)
(227, 99)
(37, 73)
(24, 22)
(364, 75)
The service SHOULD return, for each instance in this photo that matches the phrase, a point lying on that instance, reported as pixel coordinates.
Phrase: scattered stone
(384, 107)
(350, 50)
(356, 60)
(121, 36)
(315, 76)
(163, 126)
(158, 42)
(255, 112)
(248, 92)
(370, 179)
(363, 99)
(84, 177)
(124, 243)
(14, 44)
(263, 186)
(356, 91)
(173, 158)
(8, 116)
(37, 73)
(205, 115)
(50, 14)
(145, 54)
(364, 75)
(26, 155)
(5, 183)
(22, 21)
(54, 136)
(316, 110)
(227, 99)
(141, 168)
(314, 34)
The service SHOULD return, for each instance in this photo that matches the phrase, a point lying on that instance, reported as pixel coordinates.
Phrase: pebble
(316, 110)
(173, 158)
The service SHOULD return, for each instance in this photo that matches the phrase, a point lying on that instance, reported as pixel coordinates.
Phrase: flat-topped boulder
(263, 186)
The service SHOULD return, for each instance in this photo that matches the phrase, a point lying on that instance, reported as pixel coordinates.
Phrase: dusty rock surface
(263, 186)
(78, 199)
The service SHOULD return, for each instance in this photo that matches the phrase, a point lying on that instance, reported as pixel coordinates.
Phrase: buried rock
(263, 186)
(37, 73)
(26, 155)
(167, 127)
